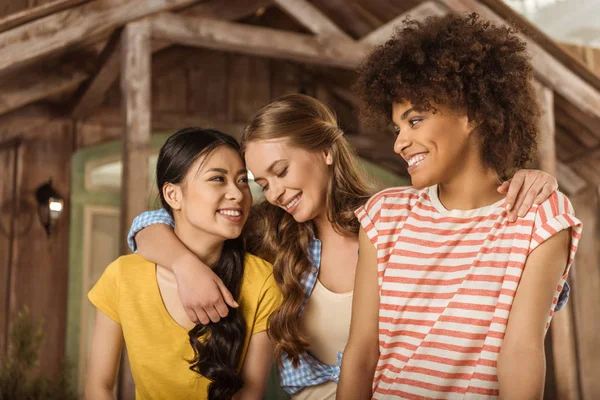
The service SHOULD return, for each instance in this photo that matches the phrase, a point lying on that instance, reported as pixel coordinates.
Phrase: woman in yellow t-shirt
(203, 183)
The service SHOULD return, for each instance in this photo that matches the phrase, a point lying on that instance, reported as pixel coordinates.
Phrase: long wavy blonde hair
(273, 234)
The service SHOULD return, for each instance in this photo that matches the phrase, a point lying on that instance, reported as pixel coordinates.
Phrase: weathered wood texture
(39, 263)
(39, 10)
(78, 26)
(254, 40)
(94, 91)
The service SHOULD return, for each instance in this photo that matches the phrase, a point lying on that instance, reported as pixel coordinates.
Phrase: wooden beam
(92, 94)
(547, 69)
(39, 83)
(65, 30)
(568, 181)
(258, 41)
(30, 14)
(574, 114)
(312, 18)
(546, 141)
(420, 12)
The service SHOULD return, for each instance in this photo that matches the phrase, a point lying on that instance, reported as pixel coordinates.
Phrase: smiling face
(214, 197)
(435, 145)
(292, 178)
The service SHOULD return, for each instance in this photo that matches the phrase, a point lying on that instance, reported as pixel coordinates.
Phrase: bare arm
(104, 358)
(257, 365)
(526, 187)
(202, 293)
(362, 351)
(522, 362)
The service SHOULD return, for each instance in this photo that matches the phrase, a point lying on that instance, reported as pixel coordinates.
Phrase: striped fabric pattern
(447, 281)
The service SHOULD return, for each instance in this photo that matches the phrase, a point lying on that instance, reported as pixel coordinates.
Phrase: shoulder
(257, 271)
(129, 268)
(555, 205)
(394, 195)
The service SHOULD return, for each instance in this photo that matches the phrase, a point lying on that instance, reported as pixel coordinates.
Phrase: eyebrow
(224, 171)
(270, 169)
(406, 113)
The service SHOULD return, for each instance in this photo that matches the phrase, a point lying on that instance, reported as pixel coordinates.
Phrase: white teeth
(232, 213)
(292, 203)
(416, 160)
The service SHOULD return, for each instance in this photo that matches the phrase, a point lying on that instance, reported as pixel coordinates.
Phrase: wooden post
(564, 351)
(135, 92)
(586, 297)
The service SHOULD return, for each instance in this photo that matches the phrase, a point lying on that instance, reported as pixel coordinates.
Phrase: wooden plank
(30, 14)
(420, 12)
(254, 40)
(546, 141)
(136, 57)
(45, 153)
(585, 293)
(38, 83)
(249, 86)
(8, 207)
(62, 31)
(345, 15)
(312, 18)
(568, 181)
(590, 123)
(93, 93)
(208, 84)
(548, 69)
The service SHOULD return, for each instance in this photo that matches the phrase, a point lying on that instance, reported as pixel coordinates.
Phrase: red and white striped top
(447, 281)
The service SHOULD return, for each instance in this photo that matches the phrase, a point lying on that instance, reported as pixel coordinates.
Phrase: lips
(290, 204)
(415, 160)
(232, 214)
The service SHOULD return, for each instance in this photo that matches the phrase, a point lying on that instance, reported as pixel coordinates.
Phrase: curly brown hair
(473, 67)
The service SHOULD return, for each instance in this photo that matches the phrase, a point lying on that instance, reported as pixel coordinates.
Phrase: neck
(472, 187)
(205, 246)
(326, 232)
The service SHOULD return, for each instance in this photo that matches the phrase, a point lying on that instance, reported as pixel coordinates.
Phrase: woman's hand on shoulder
(527, 186)
(203, 294)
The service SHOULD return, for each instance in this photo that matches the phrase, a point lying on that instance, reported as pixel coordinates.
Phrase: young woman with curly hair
(306, 228)
(203, 185)
(451, 299)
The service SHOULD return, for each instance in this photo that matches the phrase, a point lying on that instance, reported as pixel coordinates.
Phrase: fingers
(533, 191)
(192, 315)
(504, 187)
(221, 308)
(203, 317)
(227, 296)
(545, 193)
(212, 314)
(515, 185)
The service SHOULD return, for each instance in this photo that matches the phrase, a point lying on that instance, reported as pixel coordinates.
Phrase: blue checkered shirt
(310, 371)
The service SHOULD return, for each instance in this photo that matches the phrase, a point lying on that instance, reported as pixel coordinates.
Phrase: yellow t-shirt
(158, 347)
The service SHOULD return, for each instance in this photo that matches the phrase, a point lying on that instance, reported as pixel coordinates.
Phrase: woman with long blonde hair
(309, 174)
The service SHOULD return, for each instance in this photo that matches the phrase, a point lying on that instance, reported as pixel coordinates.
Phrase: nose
(275, 193)
(402, 142)
(234, 192)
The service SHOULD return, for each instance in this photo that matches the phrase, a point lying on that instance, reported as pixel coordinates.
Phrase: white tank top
(326, 323)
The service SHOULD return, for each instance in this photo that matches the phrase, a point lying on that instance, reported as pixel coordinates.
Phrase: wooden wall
(33, 267)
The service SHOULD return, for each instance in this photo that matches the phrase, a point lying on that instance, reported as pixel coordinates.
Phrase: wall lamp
(50, 206)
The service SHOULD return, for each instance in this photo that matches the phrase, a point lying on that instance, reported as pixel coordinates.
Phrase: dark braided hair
(217, 347)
